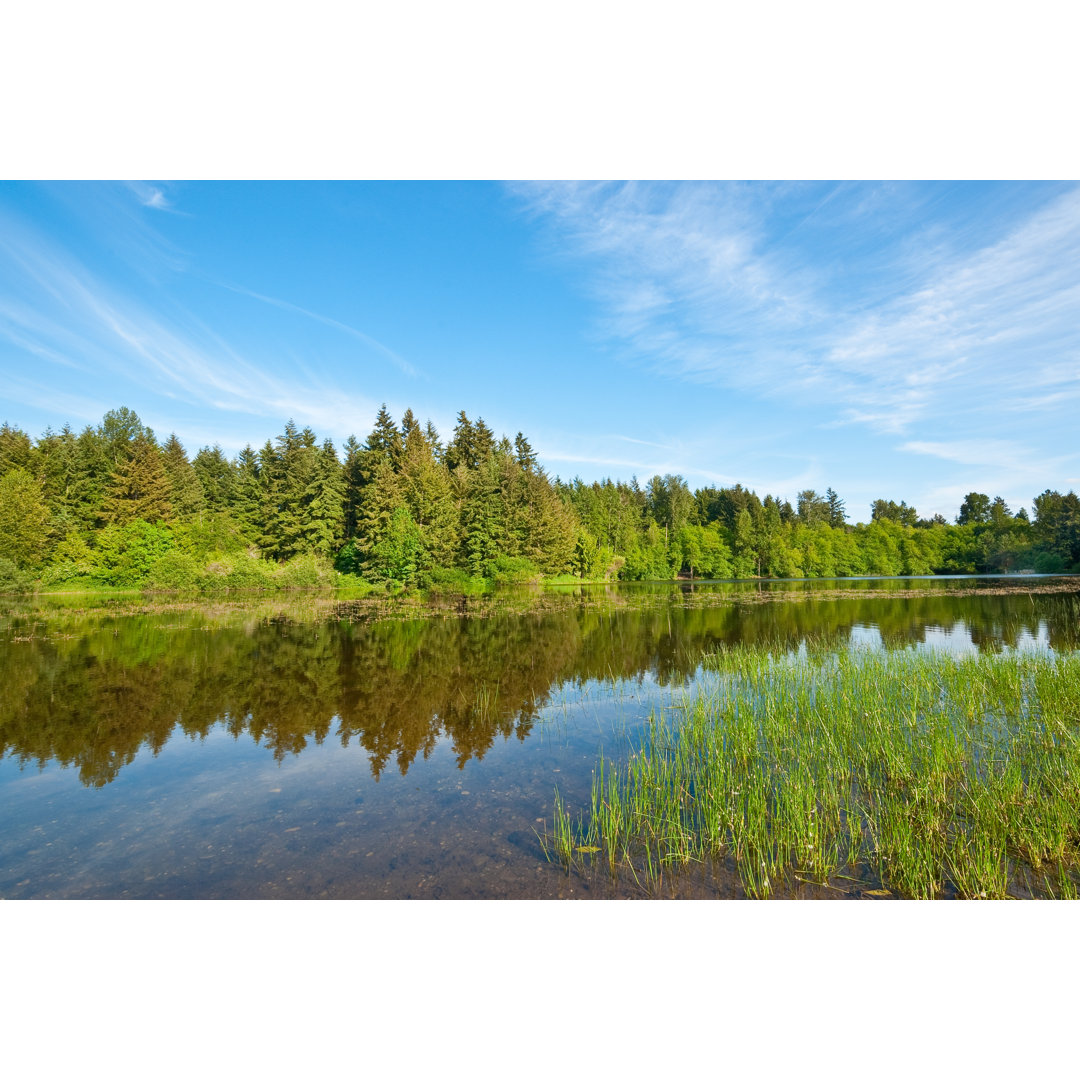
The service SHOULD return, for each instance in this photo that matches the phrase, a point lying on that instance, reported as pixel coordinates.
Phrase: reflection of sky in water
(956, 639)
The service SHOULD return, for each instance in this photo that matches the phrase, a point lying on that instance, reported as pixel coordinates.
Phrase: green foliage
(836, 515)
(398, 506)
(1049, 562)
(303, 572)
(23, 518)
(186, 496)
(126, 554)
(217, 477)
(209, 533)
(669, 502)
(139, 489)
(887, 510)
(71, 559)
(815, 509)
(399, 555)
(515, 570)
(453, 579)
(350, 560)
(12, 579)
(704, 551)
(16, 449)
(959, 551)
(974, 510)
(174, 570)
(1057, 525)
(236, 570)
(648, 561)
(483, 516)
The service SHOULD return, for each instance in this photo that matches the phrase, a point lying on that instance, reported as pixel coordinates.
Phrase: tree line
(114, 505)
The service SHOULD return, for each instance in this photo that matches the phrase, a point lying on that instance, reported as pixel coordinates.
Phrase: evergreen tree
(428, 494)
(353, 478)
(16, 449)
(296, 472)
(248, 501)
(399, 554)
(385, 439)
(139, 489)
(461, 453)
(324, 502)
(526, 457)
(120, 428)
(483, 443)
(1000, 516)
(269, 472)
(483, 518)
(217, 478)
(23, 517)
(403, 505)
(409, 426)
(90, 479)
(837, 516)
(56, 465)
(670, 503)
(551, 526)
(382, 495)
(813, 509)
(432, 437)
(747, 560)
(185, 489)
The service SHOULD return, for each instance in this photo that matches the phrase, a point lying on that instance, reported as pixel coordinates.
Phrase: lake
(324, 748)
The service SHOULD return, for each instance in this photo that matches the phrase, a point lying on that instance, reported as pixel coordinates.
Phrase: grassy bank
(922, 773)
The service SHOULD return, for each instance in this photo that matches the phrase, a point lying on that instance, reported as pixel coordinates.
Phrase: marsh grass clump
(937, 774)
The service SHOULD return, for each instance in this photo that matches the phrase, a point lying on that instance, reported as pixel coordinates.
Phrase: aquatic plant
(929, 773)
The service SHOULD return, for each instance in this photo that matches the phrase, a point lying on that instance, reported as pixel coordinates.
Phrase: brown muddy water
(321, 748)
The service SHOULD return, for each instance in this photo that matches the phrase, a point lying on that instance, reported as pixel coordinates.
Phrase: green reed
(931, 773)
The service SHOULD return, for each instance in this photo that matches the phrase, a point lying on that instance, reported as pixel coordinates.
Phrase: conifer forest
(114, 505)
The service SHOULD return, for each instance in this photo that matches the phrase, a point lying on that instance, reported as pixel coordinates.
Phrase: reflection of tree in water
(92, 698)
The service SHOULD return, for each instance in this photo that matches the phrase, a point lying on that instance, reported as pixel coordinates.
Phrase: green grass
(931, 774)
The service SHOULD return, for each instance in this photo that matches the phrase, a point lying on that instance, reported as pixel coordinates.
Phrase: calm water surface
(316, 748)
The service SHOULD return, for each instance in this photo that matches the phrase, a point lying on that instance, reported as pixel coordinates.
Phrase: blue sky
(910, 341)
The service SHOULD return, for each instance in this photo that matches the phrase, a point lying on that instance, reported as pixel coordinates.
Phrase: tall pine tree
(185, 489)
(139, 488)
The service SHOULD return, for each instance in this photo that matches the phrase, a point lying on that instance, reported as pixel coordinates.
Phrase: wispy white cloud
(985, 324)
(51, 398)
(993, 466)
(700, 283)
(66, 315)
(995, 456)
(691, 464)
(992, 452)
(150, 196)
(641, 442)
(367, 339)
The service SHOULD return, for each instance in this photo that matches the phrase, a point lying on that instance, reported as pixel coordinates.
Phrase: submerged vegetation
(111, 506)
(924, 773)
